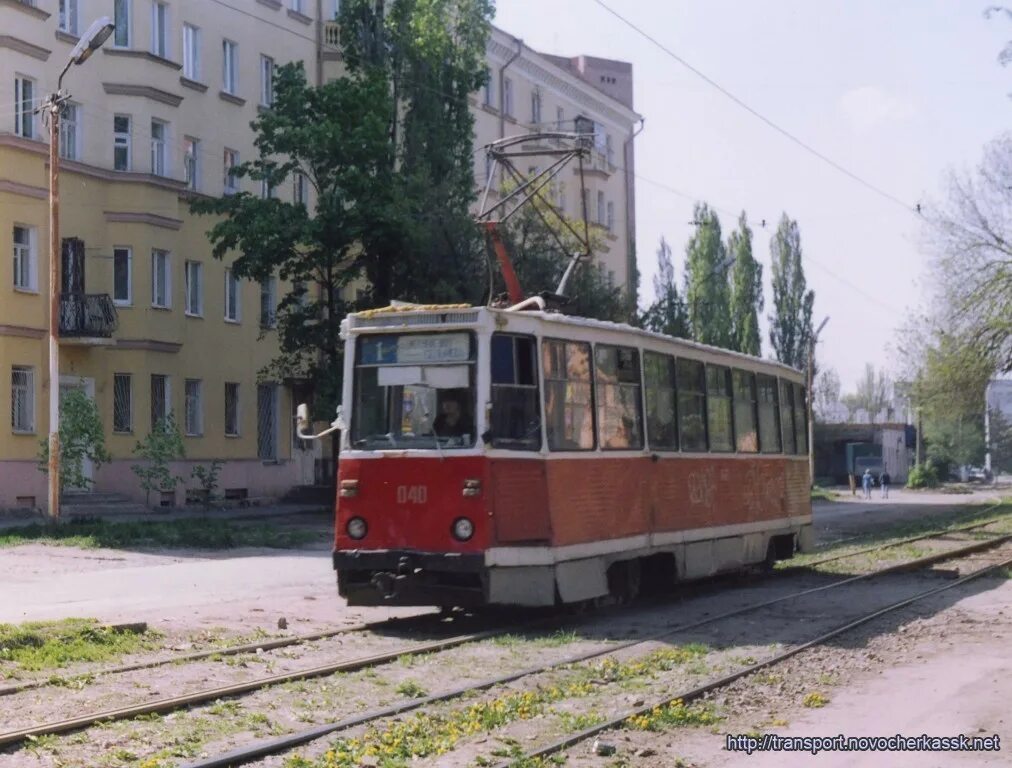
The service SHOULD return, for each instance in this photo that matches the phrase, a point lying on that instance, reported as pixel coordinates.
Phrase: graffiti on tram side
(762, 493)
(702, 487)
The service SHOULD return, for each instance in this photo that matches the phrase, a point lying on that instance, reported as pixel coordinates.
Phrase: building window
(745, 411)
(121, 17)
(191, 52)
(609, 150)
(266, 189)
(122, 402)
(516, 407)
(231, 409)
(122, 276)
(610, 216)
(161, 280)
(68, 15)
(769, 414)
(535, 106)
(121, 143)
(24, 106)
(22, 399)
(719, 425)
(266, 80)
(161, 401)
(600, 208)
(560, 118)
(194, 416)
(230, 67)
(489, 90)
(267, 422)
(25, 259)
(232, 297)
(160, 29)
(619, 417)
(231, 181)
(659, 378)
(194, 288)
(301, 188)
(70, 131)
(268, 302)
(297, 6)
(191, 163)
(158, 131)
(507, 97)
(569, 400)
(691, 386)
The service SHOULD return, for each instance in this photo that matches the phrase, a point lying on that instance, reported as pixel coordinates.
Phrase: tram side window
(569, 400)
(516, 407)
(619, 419)
(769, 414)
(787, 416)
(745, 411)
(718, 408)
(691, 383)
(659, 379)
(800, 420)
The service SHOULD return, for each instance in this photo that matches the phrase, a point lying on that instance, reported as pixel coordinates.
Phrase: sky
(897, 92)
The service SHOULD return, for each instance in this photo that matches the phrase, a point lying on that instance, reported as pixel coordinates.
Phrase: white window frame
(167, 401)
(24, 117)
(297, 6)
(160, 29)
(69, 12)
(70, 132)
(191, 163)
(610, 215)
(230, 182)
(600, 207)
(116, 251)
(536, 107)
(193, 406)
(159, 149)
(560, 118)
(129, 404)
(233, 310)
(121, 140)
(266, 81)
(300, 188)
(269, 288)
(194, 288)
(507, 97)
(27, 391)
(238, 410)
(163, 270)
(192, 68)
(126, 25)
(230, 66)
(23, 251)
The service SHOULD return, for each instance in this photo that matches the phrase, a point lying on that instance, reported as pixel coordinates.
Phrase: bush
(163, 445)
(81, 438)
(924, 476)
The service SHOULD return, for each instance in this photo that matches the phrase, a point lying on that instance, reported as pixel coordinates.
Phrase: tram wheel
(624, 581)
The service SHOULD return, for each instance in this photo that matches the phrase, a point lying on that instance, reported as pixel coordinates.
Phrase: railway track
(242, 756)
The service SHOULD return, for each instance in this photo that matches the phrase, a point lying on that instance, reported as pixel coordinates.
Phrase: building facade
(152, 324)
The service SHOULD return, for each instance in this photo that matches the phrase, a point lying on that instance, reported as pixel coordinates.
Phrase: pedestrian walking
(866, 482)
(884, 481)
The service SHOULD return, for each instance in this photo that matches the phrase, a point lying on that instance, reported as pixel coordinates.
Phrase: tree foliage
(157, 450)
(972, 232)
(791, 321)
(746, 291)
(707, 292)
(826, 397)
(667, 314)
(82, 438)
(873, 395)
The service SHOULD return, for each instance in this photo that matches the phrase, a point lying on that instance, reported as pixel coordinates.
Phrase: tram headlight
(357, 528)
(463, 529)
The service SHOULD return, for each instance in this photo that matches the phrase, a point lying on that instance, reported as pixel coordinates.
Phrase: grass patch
(412, 690)
(815, 700)
(554, 640)
(37, 645)
(823, 494)
(675, 714)
(190, 533)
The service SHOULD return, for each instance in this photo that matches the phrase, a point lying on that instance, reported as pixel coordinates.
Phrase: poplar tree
(667, 313)
(791, 321)
(707, 293)
(746, 291)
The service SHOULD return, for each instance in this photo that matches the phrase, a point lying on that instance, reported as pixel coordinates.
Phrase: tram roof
(360, 321)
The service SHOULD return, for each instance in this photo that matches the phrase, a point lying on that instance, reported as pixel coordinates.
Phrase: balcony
(332, 34)
(87, 319)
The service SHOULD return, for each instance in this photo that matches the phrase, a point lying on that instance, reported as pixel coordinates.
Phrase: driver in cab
(453, 419)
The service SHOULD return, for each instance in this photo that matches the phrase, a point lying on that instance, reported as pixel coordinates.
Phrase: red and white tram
(493, 456)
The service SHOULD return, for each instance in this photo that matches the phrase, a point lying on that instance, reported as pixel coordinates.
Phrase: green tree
(419, 241)
(707, 293)
(746, 291)
(82, 438)
(826, 397)
(873, 394)
(162, 445)
(791, 321)
(334, 135)
(667, 314)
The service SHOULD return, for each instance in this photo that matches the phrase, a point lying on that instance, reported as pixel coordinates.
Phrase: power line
(755, 113)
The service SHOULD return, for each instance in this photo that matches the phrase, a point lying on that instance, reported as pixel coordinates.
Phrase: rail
(91, 315)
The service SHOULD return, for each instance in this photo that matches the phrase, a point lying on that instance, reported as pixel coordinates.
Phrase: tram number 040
(412, 494)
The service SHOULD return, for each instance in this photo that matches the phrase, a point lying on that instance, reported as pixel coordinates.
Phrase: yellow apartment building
(151, 324)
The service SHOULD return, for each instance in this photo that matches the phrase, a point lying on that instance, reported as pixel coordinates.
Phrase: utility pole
(919, 430)
(90, 42)
(811, 422)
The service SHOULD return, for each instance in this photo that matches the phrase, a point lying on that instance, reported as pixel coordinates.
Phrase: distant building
(892, 442)
(998, 415)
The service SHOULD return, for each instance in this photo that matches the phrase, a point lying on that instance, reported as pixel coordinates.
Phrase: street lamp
(812, 340)
(90, 42)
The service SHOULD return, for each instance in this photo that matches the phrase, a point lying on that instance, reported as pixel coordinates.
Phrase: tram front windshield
(414, 390)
